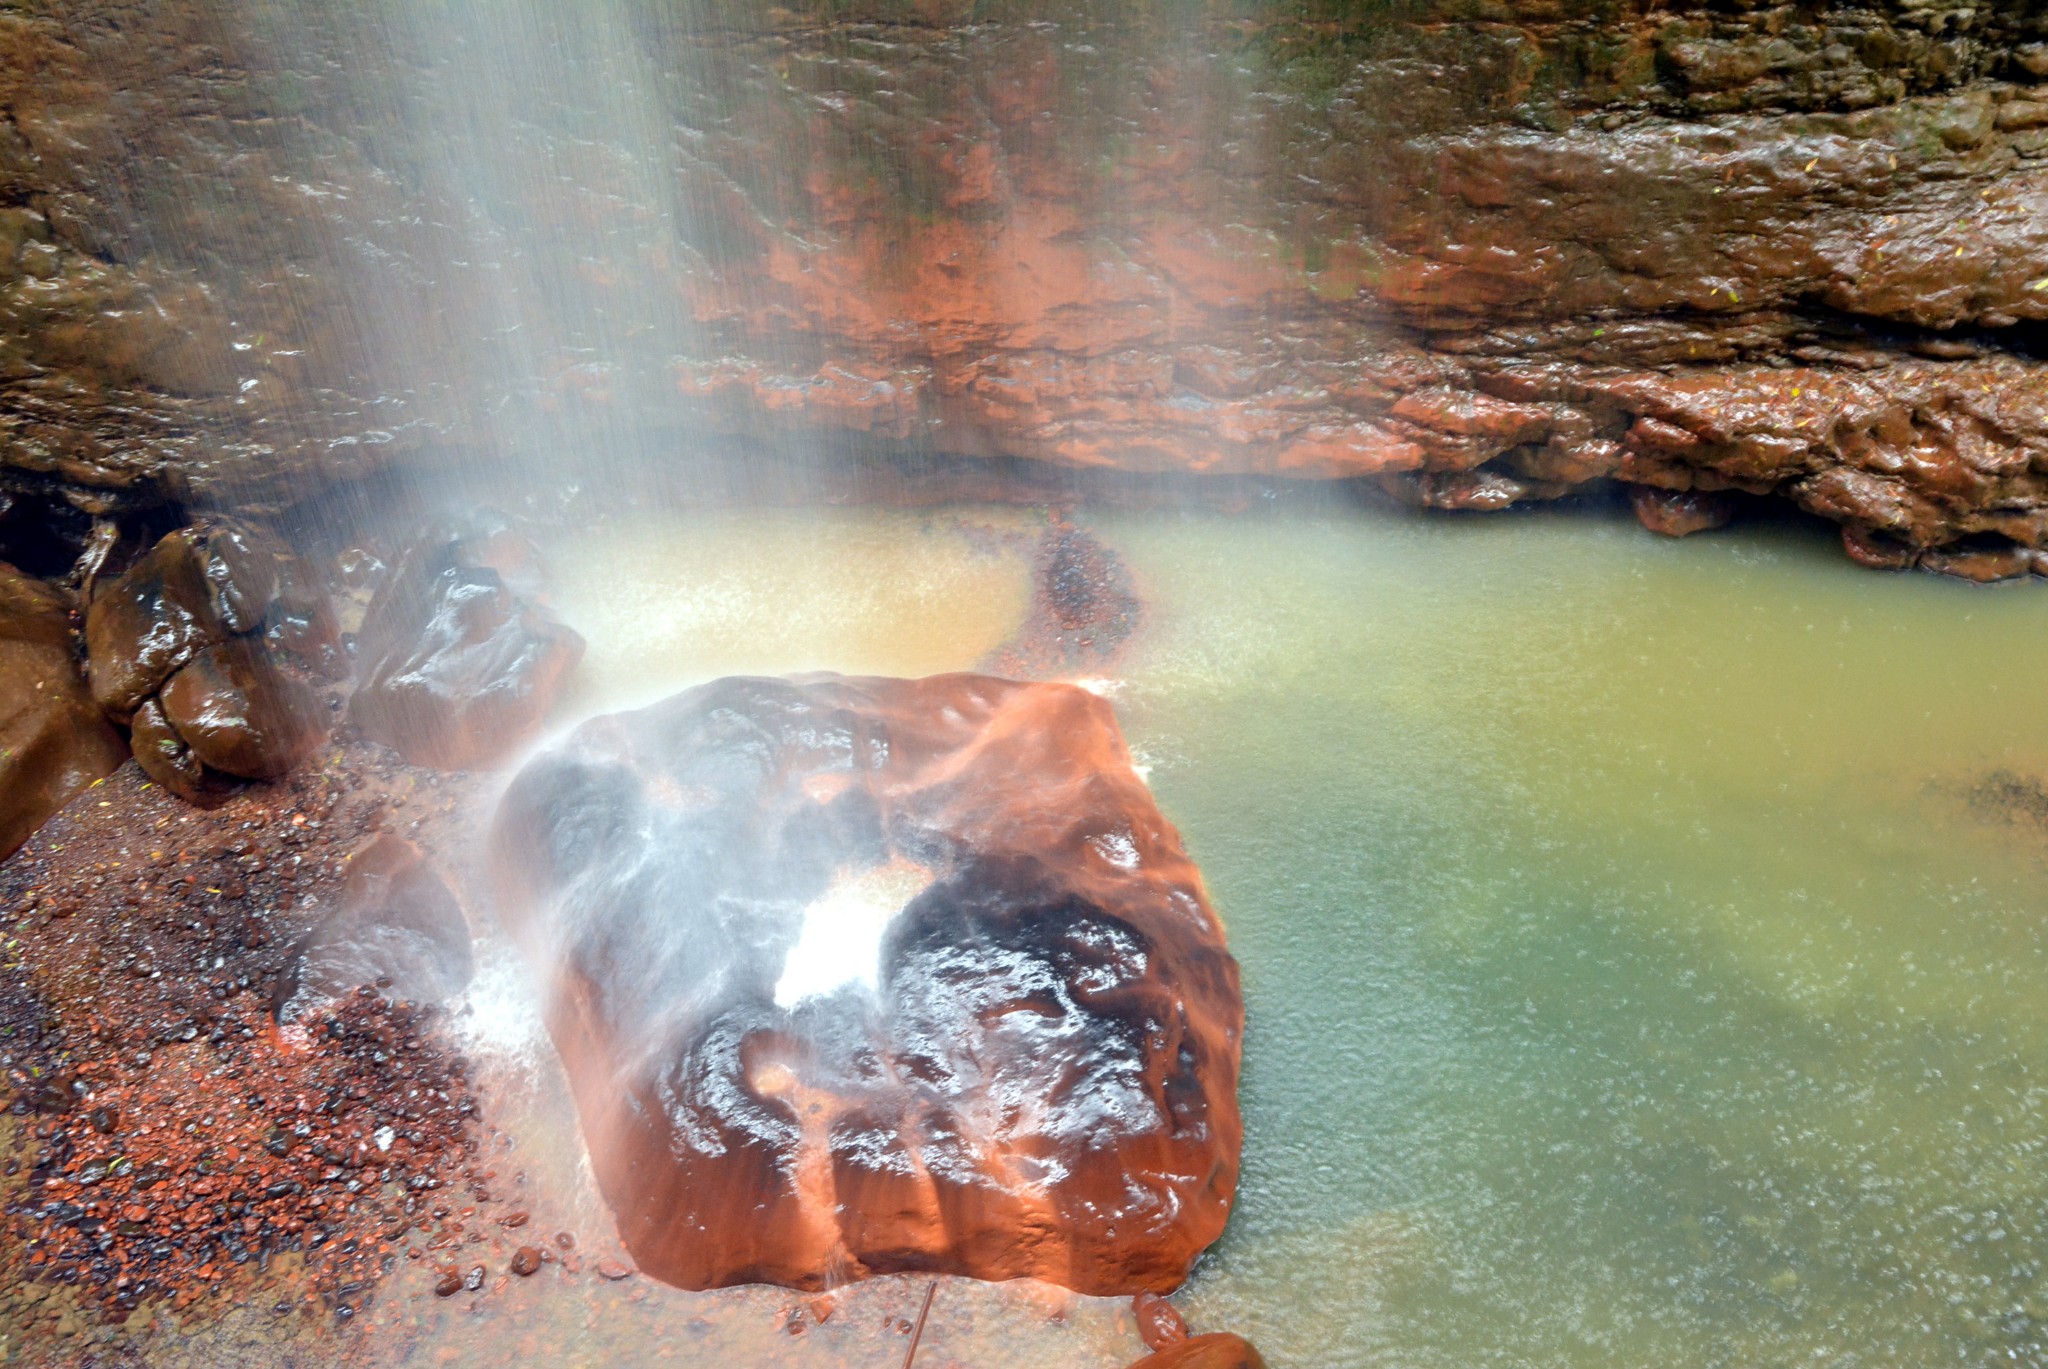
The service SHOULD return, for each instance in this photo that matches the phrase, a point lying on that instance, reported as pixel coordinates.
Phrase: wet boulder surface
(862, 975)
(394, 925)
(459, 662)
(53, 741)
(210, 648)
(1479, 255)
(1217, 1350)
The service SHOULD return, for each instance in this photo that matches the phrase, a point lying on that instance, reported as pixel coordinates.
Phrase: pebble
(613, 1269)
(525, 1260)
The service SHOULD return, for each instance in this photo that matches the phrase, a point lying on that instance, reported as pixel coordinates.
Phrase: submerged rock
(1218, 1350)
(1160, 1323)
(861, 975)
(395, 925)
(459, 663)
(53, 741)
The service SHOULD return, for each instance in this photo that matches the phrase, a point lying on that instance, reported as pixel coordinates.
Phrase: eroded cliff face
(1481, 253)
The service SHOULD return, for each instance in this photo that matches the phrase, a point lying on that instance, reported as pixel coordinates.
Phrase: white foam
(504, 1008)
(841, 940)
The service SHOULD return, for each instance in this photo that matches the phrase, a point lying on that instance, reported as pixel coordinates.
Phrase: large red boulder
(857, 975)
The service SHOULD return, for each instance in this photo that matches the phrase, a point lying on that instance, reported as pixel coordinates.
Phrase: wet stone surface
(458, 661)
(169, 1151)
(395, 925)
(53, 741)
(862, 975)
(212, 646)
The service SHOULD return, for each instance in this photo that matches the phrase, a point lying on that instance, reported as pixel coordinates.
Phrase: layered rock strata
(1480, 253)
(861, 975)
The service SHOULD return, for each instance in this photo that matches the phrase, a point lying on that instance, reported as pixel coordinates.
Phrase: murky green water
(1630, 980)
(1629, 983)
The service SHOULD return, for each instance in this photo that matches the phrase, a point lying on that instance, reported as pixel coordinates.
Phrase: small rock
(165, 758)
(1219, 1350)
(474, 1280)
(525, 1260)
(394, 921)
(1680, 513)
(458, 665)
(614, 1270)
(449, 1286)
(1159, 1321)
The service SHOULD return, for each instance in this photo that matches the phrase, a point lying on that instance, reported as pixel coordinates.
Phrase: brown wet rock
(457, 667)
(1160, 1323)
(395, 925)
(165, 757)
(1680, 513)
(808, 933)
(148, 623)
(1283, 241)
(1218, 1350)
(53, 742)
(526, 1260)
(240, 713)
(206, 647)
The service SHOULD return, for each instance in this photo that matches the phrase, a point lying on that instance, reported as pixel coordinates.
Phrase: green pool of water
(1631, 978)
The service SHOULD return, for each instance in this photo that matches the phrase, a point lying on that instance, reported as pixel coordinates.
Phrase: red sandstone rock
(864, 975)
(53, 741)
(152, 620)
(458, 666)
(202, 647)
(1484, 262)
(1160, 1323)
(1218, 1350)
(242, 715)
(1680, 513)
(166, 758)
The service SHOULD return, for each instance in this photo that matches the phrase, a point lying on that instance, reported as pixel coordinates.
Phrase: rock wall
(1479, 251)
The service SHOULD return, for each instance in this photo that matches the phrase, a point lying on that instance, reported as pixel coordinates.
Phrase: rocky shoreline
(1477, 255)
